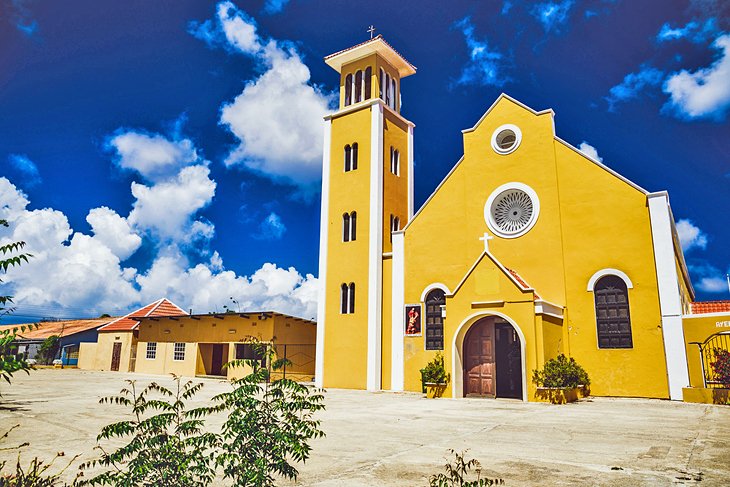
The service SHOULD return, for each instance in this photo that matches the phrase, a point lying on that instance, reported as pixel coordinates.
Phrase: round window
(506, 139)
(511, 210)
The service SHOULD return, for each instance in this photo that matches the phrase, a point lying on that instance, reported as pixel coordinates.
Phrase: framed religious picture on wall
(413, 320)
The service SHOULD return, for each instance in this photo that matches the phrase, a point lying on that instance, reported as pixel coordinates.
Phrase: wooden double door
(492, 360)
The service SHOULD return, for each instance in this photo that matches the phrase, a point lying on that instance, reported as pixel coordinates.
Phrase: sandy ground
(376, 439)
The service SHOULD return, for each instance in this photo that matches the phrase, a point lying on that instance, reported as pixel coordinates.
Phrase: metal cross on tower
(371, 29)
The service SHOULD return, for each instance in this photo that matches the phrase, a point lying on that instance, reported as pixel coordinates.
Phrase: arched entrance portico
(489, 358)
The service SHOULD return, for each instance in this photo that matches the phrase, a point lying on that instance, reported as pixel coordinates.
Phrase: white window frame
(176, 352)
(500, 129)
(489, 218)
(151, 347)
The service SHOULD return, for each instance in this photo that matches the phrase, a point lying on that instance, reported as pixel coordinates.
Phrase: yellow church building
(527, 249)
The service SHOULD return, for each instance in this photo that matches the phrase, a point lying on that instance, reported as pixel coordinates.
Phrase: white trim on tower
(670, 301)
(323, 228)
(410, 173)
(397, 373)
(375, 250)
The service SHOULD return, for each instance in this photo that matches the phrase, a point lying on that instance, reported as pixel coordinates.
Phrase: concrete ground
(378, 439)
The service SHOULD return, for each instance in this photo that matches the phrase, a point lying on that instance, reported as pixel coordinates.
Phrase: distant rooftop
(703, 307)
(375, 45)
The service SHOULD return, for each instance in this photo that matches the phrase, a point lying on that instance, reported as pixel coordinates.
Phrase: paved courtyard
(386, 439)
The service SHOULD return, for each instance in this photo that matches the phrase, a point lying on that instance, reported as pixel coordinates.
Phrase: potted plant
(434, 377)
(561, 380)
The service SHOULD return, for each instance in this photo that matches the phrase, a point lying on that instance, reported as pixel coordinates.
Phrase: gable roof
(376, 44)
(702, 307)
(45, 329)
(511, 275)
(130, 322)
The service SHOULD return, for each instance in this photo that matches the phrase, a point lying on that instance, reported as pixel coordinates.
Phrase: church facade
(527, 249)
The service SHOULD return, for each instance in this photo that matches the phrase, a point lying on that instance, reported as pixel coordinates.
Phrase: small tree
(458, 474)
(561, 372)
(10, 361)
(49, 349)
(269, 422)
(167, 442)
(435, 372)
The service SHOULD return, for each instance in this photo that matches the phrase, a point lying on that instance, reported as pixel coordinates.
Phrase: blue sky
(174, 148)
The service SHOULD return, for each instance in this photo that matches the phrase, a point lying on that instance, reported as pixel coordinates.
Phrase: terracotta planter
(560, 395)
(434, 390)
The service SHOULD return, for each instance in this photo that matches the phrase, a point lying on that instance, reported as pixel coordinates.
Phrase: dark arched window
(353, 225)
(613, 319)
(346, 227)
(387, 89)
(396, 162)
(381, 84)
(348, 158)
(368, 83)
(351, 298)
(434, 320)
(358, 86)
(354, 156)
(348, 89)
(344, 291)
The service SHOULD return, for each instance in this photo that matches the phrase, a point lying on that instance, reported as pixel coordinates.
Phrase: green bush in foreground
(458, 473)
(561, 372)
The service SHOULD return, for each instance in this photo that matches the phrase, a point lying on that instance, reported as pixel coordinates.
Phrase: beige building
(116, 345)
(201, 345)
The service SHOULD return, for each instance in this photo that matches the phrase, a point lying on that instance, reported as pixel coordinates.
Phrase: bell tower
(367, 192)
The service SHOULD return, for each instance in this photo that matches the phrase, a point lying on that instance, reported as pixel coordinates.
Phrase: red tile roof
(521, 281)
(161, 307)
(44, 329)
(702, 307)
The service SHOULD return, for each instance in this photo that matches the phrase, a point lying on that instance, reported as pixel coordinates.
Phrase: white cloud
(85, 274)
(152, 155)
(715, 284)
(590, 151)
(690, 236)
(26, 167)
(114, 232)
(166, 209)
(552, 15)
(275, 6)
(633, 84)
(486, 65)
(278, 116)
(271, 228)
(205, 288)
(694, 31)
(704, 93)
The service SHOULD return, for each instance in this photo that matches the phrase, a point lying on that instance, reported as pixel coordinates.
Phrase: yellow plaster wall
(395, 187)
(346, 334)
(610, 228)
(87, 356)
(99, 357)
(230, 330)
(698, 328)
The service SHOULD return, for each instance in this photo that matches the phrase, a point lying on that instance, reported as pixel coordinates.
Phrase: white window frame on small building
(178, 352)
(151, 352)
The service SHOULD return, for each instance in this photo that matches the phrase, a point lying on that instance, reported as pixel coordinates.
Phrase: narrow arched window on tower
(353, 226)
(344, 291)
(396, 162)
(381, 84)
(348, 158)
(346, 227)
(351, 298)
(358, 86)
(392, 159)
(393, 93)
(435, 300)
(348, 89)
(613, 319)
(354, 156)
(367, 82)
(387, 89)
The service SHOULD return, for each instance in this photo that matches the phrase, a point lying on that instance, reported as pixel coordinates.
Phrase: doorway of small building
(116, 356)
(492, 360)
(212, 358)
